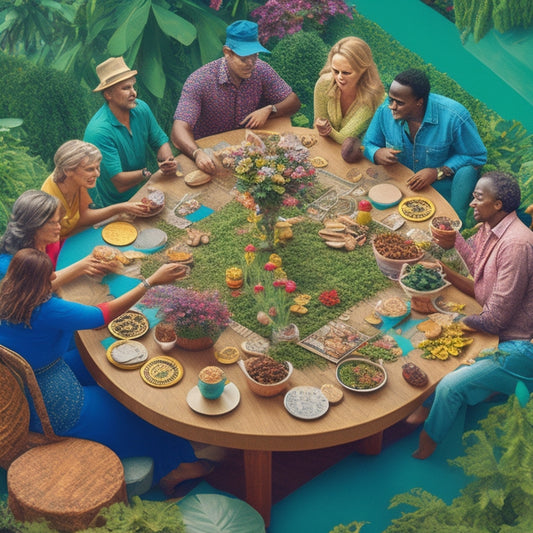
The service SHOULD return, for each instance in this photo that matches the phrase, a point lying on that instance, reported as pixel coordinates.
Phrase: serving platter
(162, 371)
(129, 325)
(127, 354)
(119, 233)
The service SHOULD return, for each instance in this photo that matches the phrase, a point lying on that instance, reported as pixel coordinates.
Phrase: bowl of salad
(361, 375)
(422, 281)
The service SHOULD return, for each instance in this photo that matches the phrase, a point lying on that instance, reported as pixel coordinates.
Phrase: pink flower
(270, 266)
(279, 283)
(272, 311)
(258, 289)
(250, 248)
(290, 286)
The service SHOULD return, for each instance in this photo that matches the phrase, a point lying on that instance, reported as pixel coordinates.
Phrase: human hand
(133, 208)
(257, 118)
(445, 241)
(204, 162)
(422, 179)
(167, 273)
(91, 266)
(386, 156)
(323, 126)
(168, 167)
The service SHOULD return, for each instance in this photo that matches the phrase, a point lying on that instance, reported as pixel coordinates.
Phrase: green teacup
(211, 382)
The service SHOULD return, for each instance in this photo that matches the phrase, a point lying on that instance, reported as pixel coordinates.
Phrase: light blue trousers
(470, 385)
(458, 190)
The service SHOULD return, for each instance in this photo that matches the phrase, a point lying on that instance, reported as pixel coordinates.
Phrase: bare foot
(185, 471)
(426, 446)
(418, 416)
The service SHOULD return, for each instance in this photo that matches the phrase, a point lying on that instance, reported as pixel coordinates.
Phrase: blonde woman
(348, 91)
(77, 167)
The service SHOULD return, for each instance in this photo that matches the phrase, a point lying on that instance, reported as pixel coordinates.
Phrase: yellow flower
(279, 273)
(278, 178)
(280, 167)
(249, 257)
(275, 259)
(260, 162)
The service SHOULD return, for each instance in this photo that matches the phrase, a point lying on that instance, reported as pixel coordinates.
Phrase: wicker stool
(66, 483)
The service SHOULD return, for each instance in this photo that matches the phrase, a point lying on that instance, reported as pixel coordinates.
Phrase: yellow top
(71, 213)
(327, 104)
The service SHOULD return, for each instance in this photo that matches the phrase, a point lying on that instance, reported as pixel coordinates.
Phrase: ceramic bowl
(421, 294)
(263, 389)
(364, 363)
(392, 267)
(165, 346)
(384, 195)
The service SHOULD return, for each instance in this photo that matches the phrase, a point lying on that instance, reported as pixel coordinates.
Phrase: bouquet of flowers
(271, 172)
(195, 314)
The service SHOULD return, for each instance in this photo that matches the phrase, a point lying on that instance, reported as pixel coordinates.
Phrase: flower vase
(194, 345)
(289, 333)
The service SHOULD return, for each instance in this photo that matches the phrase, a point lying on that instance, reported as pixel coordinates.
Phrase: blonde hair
(70, 155)
(358, 54)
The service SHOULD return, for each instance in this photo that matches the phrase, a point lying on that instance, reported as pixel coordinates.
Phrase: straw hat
(111, 72)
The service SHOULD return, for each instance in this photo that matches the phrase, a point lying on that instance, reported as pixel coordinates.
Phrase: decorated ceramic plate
(416, 208)
(150, 239)
(224, 404)
(129, 325)
(306, 402)
(127, 354)
(162, 371)
(119, 233)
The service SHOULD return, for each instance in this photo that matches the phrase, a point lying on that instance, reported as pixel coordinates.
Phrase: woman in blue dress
(39, 325)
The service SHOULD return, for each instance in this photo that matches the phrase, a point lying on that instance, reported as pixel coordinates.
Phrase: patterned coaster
(129, 325)
(162, 371)
(416, 208)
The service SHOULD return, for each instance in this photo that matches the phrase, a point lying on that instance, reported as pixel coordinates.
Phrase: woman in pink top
(500, 259)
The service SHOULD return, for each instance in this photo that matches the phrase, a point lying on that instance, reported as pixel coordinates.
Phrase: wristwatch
(145, 173)
(440, 174)
(273, 109)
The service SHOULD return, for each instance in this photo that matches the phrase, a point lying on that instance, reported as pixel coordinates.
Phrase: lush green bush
(19, 171)
(298, 59)
(52, 104)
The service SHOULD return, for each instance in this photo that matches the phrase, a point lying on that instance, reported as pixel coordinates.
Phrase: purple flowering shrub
(194, 314)
(278, 18)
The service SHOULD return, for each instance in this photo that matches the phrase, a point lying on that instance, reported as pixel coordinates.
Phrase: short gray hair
(31, 211)
(70, 155)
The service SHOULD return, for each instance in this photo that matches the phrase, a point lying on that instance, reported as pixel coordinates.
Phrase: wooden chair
(66, 481)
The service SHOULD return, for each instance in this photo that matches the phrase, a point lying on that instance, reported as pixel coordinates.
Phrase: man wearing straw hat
(238, 90)
(122, 129)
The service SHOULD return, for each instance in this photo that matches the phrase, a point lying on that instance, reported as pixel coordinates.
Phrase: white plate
(227, 402)
(306, 402)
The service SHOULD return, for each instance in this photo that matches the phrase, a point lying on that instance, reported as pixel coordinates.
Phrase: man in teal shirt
(122, 129)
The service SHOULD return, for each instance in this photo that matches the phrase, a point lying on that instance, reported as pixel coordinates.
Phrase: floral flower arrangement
(272, 290)
(271, 172)
(195, 314)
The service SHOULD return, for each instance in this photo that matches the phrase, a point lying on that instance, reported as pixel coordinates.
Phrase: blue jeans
(470, 385)
(458, 190)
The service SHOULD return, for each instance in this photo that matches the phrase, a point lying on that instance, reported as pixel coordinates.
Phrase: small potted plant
(198, 317)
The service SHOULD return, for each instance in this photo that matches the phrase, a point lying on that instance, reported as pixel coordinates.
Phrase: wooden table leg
(258, 479)
(370, 445)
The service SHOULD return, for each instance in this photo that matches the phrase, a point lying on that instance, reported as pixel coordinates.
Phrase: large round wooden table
(258, 425)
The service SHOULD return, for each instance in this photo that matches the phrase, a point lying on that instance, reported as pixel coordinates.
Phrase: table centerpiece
(271, 171)
(198, 317)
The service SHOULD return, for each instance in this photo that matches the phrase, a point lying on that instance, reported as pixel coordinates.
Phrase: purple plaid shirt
(501, 262)
(211, 104)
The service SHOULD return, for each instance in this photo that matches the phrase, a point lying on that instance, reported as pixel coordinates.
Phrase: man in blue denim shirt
(432, 135)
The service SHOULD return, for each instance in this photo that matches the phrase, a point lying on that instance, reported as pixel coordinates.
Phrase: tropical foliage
(477, 17)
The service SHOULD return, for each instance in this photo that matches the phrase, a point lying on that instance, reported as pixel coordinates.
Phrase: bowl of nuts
(392, 251)
(265, 376)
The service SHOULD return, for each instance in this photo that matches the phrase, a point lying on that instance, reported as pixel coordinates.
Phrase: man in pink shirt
(236, 91)
(500, 259)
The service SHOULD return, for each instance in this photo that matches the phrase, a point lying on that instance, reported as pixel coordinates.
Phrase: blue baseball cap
(241, 37)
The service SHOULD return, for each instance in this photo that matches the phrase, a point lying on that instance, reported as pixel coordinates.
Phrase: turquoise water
(502, 77)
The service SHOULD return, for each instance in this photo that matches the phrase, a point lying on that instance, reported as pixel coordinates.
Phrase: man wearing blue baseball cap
(238, 90)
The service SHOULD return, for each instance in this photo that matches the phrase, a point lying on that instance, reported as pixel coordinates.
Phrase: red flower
(250, 248)
(270, 266)
(329, 298)
(279, 282)
(290, 286)
(258, 288)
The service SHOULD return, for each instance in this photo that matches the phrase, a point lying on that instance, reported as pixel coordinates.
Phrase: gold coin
(119, 233)
(318, 162)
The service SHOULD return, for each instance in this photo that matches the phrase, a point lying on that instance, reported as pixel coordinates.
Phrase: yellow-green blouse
(327, 104)
(71, 212)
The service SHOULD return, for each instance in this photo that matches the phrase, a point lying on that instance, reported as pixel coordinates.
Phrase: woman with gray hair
(35, 223)
(77, 166)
